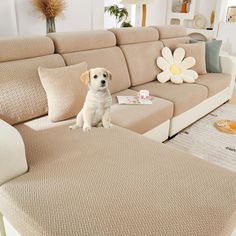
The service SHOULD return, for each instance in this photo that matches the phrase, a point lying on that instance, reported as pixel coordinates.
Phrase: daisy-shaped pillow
(175, 67)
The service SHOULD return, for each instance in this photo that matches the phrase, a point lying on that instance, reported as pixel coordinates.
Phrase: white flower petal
(164, 76)
(188, 79)
(167, 54)
(176, 79)
(191, 73)
(188, 63)
(179, 54)
(162, 63)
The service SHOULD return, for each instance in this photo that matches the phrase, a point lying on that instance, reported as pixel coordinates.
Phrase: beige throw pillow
(65, 91)
(198, 51)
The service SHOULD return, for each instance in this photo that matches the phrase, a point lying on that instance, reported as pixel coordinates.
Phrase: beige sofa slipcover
(114, 182)
(110, 56)
(111, 181)
(140, 119)
(22, 95)
(184, 97)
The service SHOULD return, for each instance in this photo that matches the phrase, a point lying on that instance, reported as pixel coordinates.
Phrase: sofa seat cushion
(184, 96)
(215, 82)
(140, 118)
(114, 182)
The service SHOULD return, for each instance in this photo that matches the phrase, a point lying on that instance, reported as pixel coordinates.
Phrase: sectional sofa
(116, 181)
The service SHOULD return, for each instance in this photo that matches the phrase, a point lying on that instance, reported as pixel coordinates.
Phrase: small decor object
(199, 22)
(231, 14)
(226, 126)
(142, 98)
(143, 94)
(120, 14)
(212, 20)
(184, 6)
(175, 67)
(50, 9)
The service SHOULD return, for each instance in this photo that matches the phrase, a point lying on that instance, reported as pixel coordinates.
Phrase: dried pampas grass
(49, 8)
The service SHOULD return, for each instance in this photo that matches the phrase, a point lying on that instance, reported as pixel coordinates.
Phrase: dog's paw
(100, 124)
(86, 128)
(107, 126)
(73, 127)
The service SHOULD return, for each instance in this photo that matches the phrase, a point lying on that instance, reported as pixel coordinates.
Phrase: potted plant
(120, 14)
(50, 9)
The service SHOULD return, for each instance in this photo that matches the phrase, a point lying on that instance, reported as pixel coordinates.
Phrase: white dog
(97, 106)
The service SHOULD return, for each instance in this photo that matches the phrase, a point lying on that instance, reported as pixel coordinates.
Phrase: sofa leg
(2, 228)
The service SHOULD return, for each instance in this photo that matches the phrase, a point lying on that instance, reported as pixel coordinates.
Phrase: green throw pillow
(212, 55)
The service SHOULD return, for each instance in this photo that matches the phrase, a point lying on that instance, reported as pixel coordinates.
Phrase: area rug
(203, 140)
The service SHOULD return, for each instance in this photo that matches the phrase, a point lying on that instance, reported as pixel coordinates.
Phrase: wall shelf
(174, 17)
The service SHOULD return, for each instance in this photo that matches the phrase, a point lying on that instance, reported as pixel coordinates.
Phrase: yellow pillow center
(175, 70)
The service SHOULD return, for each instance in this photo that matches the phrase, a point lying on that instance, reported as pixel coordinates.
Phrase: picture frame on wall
(231, 14)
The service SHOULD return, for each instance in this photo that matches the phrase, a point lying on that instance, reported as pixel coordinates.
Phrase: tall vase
(184, 8)
(51, 26)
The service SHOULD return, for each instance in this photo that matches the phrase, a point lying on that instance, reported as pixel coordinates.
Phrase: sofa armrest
(228, 64)
(12, 153)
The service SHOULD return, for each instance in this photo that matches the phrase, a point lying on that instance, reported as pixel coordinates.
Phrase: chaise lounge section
(110, 181)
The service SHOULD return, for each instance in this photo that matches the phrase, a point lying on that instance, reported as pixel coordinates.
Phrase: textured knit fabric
(171, 31)
(184, 96)
(174, 42)
(22, 96)
(135, 35)
(82, 40)
(215, 82)
(109, 58)
(25, 47)
(114, 182)
(197, 51)
(65, 90)
(212, 55)
(141, 61)
(140, 118)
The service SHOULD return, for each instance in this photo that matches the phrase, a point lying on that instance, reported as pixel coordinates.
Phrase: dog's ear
(109, 74)
(85, 77)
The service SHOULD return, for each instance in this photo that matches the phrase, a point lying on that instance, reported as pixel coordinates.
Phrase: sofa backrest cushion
(22, 96)
(97, 49)
(24, 47)
(135, 35)
(82, 40)
(141, 47)
(173, 35)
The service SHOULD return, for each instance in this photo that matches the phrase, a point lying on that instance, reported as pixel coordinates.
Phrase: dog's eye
(95, 76)
(104, 75)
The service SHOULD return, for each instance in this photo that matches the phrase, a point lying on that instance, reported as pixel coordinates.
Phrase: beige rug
(205, 141)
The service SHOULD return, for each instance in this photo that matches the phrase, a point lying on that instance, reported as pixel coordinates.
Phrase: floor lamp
(144, 7)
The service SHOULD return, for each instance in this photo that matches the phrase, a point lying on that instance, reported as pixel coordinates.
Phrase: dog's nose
(103, 81)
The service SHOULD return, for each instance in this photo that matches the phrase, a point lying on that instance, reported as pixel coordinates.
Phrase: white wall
(18, 17)
(7, 18)
(156, 13)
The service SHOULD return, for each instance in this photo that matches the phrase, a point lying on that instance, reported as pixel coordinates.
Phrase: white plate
(199, 22)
